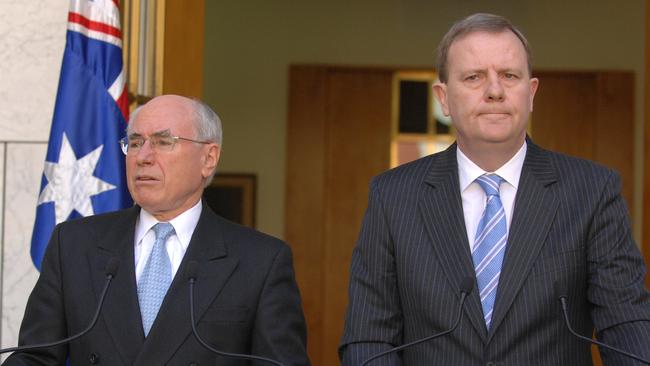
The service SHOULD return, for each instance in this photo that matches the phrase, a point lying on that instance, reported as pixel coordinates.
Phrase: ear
(440, 91)
(210, 160)
(534, 83)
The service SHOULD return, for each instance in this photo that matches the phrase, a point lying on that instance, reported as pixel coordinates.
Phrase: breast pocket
(572, 261)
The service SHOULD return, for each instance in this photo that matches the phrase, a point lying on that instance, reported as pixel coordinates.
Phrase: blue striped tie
(156, 277)
(490, 244)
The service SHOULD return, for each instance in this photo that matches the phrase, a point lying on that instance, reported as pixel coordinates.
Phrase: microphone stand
(565, 311)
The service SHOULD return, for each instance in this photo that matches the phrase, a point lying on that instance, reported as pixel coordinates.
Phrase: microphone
(561, 291)
(466, 286)
(190, 273)
(111, 269)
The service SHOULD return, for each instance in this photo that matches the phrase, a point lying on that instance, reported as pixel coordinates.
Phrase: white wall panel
(24, 166)
(32, 38)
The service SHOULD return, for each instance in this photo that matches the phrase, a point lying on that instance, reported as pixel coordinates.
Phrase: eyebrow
(473, 71)
(505, 70)
(165, 132)
(512, 70)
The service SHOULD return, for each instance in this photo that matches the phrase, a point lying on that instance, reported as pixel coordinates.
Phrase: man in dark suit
(518, 220)
(246, 298)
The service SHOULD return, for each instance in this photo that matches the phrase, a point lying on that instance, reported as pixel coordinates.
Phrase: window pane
(413, 106)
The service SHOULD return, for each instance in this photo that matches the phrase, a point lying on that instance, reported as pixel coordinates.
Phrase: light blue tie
(156, 277)
(490, 244)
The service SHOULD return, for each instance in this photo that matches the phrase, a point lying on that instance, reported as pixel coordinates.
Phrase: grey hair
(208, 128)
(207, 124)
(480, 22)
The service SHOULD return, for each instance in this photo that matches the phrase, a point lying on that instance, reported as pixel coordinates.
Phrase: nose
(145, 154)
(494, 91)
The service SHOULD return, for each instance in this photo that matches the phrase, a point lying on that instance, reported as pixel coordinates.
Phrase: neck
(490, 156)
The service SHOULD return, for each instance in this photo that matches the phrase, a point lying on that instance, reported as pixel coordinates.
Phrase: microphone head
(467, 285)
(560, 290)
(111, 267)
(191, 270)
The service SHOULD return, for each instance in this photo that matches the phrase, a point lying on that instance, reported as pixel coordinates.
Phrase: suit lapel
(441, 208)
(172, 325)
(120, 312)
(534, 211)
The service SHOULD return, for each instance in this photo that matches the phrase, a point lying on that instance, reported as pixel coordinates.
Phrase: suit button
(491, 363)
(193, 364)
(93, 358)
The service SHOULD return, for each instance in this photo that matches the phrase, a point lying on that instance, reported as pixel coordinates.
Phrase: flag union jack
(84, 167)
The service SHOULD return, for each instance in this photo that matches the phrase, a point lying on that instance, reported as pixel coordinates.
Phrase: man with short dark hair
(526, 225)
(246, 297)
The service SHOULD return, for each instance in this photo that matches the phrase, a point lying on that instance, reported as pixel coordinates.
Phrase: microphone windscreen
(467, 285)
(560, 289)
(191, 270)
(111, 266)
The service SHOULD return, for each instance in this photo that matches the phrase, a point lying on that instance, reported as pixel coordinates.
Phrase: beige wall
(249, 45)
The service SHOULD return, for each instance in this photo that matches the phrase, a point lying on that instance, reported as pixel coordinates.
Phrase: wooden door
(338, 139)
(589, 115)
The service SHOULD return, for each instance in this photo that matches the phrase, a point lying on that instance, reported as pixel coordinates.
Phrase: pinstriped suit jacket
(570, 225)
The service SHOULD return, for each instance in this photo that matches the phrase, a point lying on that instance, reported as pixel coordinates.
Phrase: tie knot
(163, 231)
(490, 183)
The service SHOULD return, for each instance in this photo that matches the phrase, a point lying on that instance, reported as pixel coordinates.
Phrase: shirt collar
(184, 224)
(468, 171)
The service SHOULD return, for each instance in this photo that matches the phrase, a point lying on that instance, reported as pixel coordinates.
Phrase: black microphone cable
(562, 296)
(190, 273)
(111, 269)
(466, 286)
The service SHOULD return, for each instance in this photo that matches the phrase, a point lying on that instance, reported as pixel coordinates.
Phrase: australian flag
(84, 166)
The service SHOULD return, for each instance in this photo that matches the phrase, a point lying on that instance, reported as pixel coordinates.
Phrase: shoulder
(570, 168)
(243, 239)
(101, 222)
(234, 231)
(419, 170)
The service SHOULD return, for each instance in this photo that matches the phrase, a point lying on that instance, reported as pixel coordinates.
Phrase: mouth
(495, 115)
(145, 179)
(495, 112)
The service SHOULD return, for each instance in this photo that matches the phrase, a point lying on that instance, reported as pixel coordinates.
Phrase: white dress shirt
(184, 225)
(473, 196)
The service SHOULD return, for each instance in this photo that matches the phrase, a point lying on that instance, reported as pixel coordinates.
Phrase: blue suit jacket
(569, 226)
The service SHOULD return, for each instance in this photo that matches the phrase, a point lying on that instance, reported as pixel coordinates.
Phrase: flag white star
(71, 182)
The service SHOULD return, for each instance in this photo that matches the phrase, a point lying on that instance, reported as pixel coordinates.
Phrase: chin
(146, 201)
(502, 133)
(504, 140)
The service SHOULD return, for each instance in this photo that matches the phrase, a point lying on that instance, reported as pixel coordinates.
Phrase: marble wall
(32, 38)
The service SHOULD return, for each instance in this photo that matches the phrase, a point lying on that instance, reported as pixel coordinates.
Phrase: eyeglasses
(159, 141)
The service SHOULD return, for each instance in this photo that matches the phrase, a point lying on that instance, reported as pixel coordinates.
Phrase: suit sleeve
(280, 330)
(621, 303)
(374, 317)
(44, 319)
